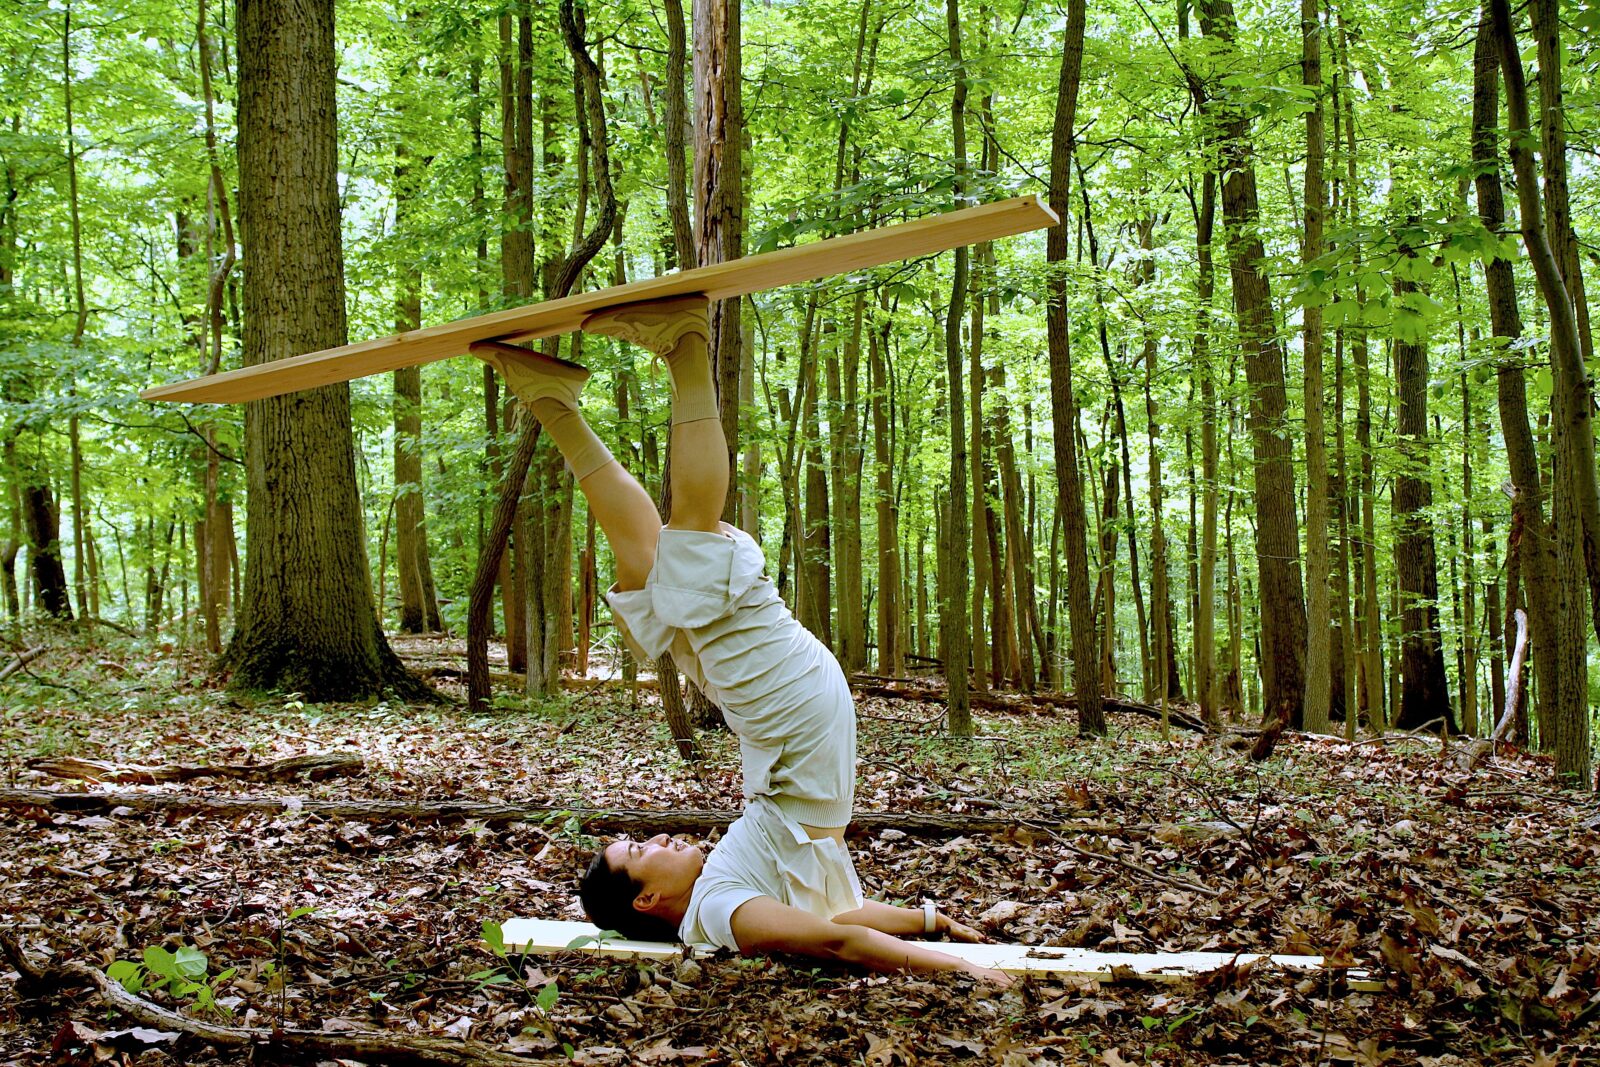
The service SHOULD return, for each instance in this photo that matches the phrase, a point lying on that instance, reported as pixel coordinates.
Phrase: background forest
(1311, 425)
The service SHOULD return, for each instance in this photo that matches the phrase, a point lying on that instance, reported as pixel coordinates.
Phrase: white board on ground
(544, 936)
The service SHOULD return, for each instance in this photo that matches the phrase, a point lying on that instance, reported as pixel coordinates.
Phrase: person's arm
(906, 922)
(762, 924)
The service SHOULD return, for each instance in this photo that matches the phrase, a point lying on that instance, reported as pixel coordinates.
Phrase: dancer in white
(781, 878)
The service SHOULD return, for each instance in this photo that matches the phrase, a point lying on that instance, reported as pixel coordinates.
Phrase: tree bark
(1319, 647)
(954, 625)
(718, 198)
(1205, 645)
(307, 622)
(890, 660)
(1424, 689)
(1283, 618)
(563, 277)
(419, 609)
(1063, 397)
(1577, 509)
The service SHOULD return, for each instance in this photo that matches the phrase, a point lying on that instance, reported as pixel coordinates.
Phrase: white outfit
(783, 694)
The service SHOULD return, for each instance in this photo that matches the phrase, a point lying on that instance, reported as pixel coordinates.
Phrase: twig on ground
(1139, 868)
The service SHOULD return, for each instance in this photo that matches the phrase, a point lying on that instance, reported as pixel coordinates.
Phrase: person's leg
(676, 331)
(620, 504)
(550, 387)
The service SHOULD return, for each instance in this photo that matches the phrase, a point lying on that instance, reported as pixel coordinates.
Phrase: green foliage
(181, 973)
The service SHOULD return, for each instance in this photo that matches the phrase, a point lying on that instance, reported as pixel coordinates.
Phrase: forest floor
(1474, 895)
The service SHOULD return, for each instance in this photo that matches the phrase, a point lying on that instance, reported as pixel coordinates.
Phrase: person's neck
(673, 910)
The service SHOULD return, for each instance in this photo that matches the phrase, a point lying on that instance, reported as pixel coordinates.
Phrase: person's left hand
(956, 931)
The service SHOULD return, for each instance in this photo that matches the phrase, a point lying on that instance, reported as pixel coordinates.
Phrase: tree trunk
(845, 453)
(1424, 690)
(516, 286)
(719, 197)
(1282, 609)
(891, 659)
(419, 610)
(1576, 512)
(1319, 647)
(953, 621)
(1205, 645)
(563, 276)
(307, 621)
(814, 547)
(1063, 397)
(1368, 622)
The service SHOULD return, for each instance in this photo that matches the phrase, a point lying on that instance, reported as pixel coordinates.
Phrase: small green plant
(181, 973)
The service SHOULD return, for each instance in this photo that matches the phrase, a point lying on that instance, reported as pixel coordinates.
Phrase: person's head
(641, 888)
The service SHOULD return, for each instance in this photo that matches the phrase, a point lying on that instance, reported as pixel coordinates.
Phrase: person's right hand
(989, 975)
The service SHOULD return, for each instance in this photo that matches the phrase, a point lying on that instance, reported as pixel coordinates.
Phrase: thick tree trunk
(1283, 618)
(1319, 646)
(1571, 428)
(307, 620)
(1063, 397)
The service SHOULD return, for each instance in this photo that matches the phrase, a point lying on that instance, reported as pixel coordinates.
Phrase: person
(781, 878)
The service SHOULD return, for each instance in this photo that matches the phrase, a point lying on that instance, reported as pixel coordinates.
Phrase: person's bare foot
(532, 375)
(656, 325)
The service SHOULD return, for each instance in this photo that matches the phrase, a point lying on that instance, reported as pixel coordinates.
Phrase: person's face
(666, 868)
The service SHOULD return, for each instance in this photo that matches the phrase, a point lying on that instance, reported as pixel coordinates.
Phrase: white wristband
(930, 916)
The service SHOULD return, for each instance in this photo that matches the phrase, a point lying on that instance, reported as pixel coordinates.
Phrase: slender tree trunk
(953, 620)
(563, 277)
(845, 451)
(815, 545)
(891, 661)
(675, 116)
(419, 610)
(1319, 648)
(1282, 614)
(306, 622)
(1468, 585)
(1205, 655)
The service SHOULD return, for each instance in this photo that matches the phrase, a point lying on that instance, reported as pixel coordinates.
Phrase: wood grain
(719, 281)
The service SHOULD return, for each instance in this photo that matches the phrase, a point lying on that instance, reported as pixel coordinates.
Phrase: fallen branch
(1477, 750)
(316, 766)
(1020, 702)
(42, 974)
(22, 660)
(1418, 734)
(595, 820)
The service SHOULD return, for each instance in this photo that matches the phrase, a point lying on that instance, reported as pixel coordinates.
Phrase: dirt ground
(1472, 895)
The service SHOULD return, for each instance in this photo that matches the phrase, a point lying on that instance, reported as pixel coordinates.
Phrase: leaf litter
(1473, 896)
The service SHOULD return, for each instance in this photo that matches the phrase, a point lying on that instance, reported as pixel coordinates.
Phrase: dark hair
(608, 893)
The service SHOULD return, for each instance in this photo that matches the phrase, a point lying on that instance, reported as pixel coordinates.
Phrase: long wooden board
(753, 274)
(544, 936)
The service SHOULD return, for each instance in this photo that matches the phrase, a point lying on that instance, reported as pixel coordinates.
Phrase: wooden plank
(545, 936)
(753, 274)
